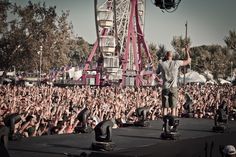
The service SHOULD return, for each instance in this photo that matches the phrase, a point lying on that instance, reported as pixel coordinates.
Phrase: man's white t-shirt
(169, 72)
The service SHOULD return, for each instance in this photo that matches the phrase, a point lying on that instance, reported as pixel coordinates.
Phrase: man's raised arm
(188, 60)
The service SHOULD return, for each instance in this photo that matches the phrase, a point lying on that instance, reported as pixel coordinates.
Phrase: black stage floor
(196, 139)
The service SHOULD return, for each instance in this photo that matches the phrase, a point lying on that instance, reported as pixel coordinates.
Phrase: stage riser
(201, 147)
(196, 140)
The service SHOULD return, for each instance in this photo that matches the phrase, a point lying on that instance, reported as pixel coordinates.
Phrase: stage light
(188, 106)
(167, 4)
(141, 113)
(170, 128)
(103, 136)
(10, 121)
(4, 131)
(221, 118)
(83, 118)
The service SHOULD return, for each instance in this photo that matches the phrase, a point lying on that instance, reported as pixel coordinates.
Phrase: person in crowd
(49, 110)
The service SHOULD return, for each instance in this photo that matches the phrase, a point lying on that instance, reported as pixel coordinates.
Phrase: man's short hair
(169, 53)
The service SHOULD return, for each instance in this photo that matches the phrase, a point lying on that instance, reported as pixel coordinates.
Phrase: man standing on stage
(169, 69)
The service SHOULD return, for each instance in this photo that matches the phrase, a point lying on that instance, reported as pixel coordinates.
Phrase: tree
(153, 51)
(36, 25)
(80, 51)
(231, 40)
(4, 6)
(231, 45)
(161, 51)
(211, 57)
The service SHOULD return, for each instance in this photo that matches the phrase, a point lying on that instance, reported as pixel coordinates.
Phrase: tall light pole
(40, 63)
(186, 40)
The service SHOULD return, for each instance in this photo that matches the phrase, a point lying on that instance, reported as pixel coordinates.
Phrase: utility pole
(186, 40)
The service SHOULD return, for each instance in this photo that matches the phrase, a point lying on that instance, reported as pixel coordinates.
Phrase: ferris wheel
(120, 49)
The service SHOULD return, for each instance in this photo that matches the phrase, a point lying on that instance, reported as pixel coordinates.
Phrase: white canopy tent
(1, 73)
(230, 79)
(211, 82)
(208, 75)
(74, 73)
(222, 81)
(192, 77)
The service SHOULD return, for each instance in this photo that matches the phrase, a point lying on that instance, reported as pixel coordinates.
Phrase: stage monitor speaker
(103, 136)
(4, 141)
(3, 151)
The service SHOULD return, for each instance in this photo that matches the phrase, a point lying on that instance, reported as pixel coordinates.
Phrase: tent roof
(193, 76)
(222, 81)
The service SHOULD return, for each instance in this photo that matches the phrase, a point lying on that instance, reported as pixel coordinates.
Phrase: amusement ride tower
(121, 53)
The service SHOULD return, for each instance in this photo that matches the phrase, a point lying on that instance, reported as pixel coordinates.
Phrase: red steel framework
(135, 44)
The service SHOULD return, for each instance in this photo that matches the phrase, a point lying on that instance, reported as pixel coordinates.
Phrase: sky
(209, 21)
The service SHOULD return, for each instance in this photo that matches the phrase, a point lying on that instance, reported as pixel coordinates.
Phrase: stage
(196, 140)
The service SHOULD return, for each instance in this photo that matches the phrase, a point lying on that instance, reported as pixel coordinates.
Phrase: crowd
(53, 110)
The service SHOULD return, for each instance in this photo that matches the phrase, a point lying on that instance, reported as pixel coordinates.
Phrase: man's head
(169, 55)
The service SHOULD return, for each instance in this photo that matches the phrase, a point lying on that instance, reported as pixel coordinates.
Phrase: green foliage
(231, 40)
(36, 25)
(161, 51)
(3, 16)
(214, 58)
(153, 51)
(80, 51)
